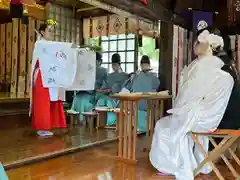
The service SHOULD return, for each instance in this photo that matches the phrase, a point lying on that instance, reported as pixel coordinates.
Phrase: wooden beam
(154, 11)
(110, 8)
(87, 9)
(167, 15)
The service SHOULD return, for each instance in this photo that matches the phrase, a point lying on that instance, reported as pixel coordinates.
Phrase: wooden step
(14, 100)
(13, 112)
(14, 106)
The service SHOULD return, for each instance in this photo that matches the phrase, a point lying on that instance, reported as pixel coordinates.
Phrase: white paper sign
(64, 66)
(86, 71)
(58, 63)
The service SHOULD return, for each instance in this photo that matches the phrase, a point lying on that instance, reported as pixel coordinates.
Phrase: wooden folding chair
(230, 137)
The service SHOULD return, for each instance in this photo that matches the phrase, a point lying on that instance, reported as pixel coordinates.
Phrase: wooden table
(128, 118)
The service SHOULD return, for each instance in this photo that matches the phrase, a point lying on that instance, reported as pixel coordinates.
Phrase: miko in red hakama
(46, 114)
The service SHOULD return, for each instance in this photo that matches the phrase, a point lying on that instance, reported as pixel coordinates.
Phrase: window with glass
(122, 44)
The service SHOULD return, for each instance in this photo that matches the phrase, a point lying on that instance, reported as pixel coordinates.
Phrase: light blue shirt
(115, 81)
(144, 82)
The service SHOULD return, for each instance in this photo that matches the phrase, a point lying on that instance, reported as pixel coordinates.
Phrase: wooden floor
(19, 146)
(94, 164)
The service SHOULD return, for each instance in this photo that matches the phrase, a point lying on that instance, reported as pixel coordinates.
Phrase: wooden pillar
(22, 61)
(15, 48)
(166, 56)
(8, 60)
(30, 46)
(2, 57)
(224, 17)
(166, 53)
(81, 35)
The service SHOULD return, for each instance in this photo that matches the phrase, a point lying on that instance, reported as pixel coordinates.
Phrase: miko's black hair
(42, 27)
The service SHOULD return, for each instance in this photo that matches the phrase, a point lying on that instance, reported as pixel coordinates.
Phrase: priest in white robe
(199, 107)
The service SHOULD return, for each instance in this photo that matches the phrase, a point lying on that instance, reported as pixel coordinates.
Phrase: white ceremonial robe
(199, 107)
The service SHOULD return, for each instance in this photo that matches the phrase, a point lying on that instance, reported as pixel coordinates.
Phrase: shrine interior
(163, 30)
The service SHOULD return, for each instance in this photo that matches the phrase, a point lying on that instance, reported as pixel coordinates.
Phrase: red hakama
(46, 115)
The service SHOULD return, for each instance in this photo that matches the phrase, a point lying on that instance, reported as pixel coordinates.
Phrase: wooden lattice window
(122, 44)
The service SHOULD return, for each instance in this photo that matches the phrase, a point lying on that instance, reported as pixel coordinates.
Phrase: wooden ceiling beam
(110, 8)
(154, 10)
(129, 8)
(86, 9)
(168, 15)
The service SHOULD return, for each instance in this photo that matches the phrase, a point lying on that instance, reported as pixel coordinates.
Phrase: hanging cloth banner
(201, 20)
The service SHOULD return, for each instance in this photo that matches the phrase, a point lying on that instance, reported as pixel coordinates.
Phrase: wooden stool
(101, 120)
(74, 117)
(89, 118)
(230, 137)
(106, 110)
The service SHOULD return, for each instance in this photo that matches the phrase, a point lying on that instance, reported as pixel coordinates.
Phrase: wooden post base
(127, 131)
(126, 160)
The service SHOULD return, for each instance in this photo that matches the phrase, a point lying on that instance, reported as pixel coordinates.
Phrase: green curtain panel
(148, 48)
